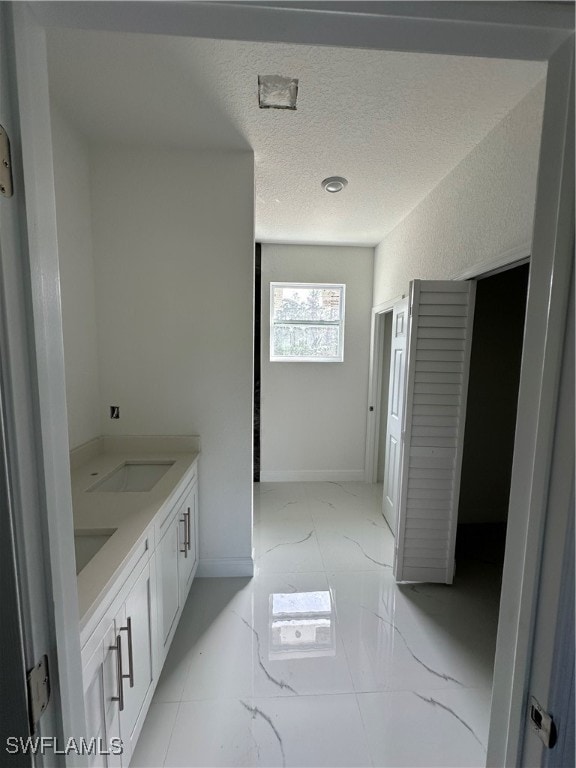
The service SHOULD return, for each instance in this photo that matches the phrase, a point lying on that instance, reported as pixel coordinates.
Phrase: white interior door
(396, 400)
(440, 339)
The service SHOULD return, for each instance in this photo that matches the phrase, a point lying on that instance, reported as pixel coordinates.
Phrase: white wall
(313, 415)
(482, 209)
(174, 253)
(73, 219)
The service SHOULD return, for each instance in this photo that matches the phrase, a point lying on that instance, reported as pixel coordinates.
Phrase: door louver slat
(437, 381)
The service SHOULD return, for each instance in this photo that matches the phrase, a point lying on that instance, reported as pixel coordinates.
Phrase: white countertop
(131, 513)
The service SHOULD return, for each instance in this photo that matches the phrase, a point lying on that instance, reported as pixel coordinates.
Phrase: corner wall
(174, 256)
(481, 210)
(73, 220)
(313, 415)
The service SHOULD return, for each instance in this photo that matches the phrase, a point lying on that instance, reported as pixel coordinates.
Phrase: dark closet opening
(491, 415)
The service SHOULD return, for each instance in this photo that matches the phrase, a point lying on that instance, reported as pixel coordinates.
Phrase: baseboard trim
(312, 475)
(225, 566)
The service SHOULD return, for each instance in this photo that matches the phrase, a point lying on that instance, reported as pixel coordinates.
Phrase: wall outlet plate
(114, 411)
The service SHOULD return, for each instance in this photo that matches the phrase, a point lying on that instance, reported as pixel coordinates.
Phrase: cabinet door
(111, 704)
(137, 663)
(188, 549)
(101, 703)
(167, 568)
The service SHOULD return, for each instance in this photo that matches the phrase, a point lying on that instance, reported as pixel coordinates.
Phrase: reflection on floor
(321, 659)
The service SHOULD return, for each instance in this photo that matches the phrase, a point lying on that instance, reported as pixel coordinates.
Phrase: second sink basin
(133, 476)
(88, 543)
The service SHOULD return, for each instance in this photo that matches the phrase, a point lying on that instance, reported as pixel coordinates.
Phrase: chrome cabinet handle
(188, 529)
(128, 628)
(185, 550)
(119, 674)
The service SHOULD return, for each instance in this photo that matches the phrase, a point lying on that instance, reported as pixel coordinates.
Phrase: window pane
(306, 341)
(306, 303)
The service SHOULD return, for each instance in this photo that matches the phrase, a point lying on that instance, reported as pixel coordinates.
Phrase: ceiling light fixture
(334, 183)
(277, 92)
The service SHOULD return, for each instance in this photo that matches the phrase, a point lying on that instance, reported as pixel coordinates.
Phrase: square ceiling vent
(277, 92)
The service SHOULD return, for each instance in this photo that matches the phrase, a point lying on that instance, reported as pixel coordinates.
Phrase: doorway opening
(257, 339)
(481, 504)
(491, 413)
(386, 403)
(385, 322)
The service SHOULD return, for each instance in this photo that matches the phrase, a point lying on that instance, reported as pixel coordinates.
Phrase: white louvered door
(440, 339)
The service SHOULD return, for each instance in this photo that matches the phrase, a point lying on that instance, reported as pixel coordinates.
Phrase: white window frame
(319, 286)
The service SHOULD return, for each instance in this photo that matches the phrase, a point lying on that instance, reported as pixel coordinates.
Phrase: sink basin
(133, 476)
(88, 543)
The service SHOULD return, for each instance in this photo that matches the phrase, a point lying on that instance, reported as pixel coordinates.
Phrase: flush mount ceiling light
(277, 92)
(334, 183)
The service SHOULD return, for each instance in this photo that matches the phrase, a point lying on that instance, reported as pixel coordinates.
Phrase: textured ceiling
(393, 123)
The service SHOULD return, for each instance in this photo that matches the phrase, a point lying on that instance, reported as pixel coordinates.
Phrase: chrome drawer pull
(128, 628)
(119, 675)
(185, 549)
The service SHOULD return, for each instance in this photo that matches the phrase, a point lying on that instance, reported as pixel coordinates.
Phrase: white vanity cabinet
(100, 665)
(135, 628)
(127, 636)
(176, 562)
(119, 664)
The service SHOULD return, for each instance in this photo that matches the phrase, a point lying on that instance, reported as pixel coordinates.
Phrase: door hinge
(542, 723)
(5, 164)
(38, 680)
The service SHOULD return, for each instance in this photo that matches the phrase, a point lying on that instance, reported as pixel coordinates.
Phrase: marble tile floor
(321, 659)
